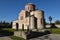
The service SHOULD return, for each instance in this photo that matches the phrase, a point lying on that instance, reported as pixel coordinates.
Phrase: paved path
(45, 37)
(48, 37)
(5, 38)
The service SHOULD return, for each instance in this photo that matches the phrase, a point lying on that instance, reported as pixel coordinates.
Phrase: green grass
(16, 38)
(54, 30)
(10, 32)
(8, 29)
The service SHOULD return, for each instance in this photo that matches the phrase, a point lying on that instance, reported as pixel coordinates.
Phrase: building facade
(30, 18)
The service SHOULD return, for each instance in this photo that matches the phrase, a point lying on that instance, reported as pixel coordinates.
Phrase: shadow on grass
(5, 33)
(37, 34)
(53, 26)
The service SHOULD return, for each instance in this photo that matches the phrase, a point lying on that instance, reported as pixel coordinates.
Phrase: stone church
(30, 17)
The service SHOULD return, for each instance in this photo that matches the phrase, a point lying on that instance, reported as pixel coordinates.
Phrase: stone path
(48, 37)
(5, 38)
(45, 37)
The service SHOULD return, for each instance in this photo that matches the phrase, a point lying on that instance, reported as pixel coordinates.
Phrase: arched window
(41, 20)
(21, 18)
(27, 14)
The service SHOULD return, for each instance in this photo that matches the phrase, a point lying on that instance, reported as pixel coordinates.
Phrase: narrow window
(21, 18)
(27, 14)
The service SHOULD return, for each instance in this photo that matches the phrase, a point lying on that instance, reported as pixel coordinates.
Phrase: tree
(50, 19)
(3, 22)
(47, 23)
(57, 22)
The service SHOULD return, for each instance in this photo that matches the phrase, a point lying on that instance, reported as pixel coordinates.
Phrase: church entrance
(22, 27)
(35, 22)
(16, 26)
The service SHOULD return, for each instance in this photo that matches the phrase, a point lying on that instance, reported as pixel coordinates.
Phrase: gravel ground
(5, 38)
(48, 37)
(45, 37)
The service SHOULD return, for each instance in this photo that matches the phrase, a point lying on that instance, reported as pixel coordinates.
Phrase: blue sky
(9, 9)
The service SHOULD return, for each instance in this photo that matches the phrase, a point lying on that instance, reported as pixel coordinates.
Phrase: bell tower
(30, 7)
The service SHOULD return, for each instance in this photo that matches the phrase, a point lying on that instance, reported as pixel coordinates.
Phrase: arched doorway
(22, 27)
(35, 22)
(16, 26)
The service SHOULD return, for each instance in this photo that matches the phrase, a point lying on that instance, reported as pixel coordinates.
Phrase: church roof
(30, 4)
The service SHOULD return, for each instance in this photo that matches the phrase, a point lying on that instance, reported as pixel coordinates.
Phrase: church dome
(29, 7)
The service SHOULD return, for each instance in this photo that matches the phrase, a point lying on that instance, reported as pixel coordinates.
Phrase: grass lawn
(16, 38)
(54, 30)
(10, 32)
